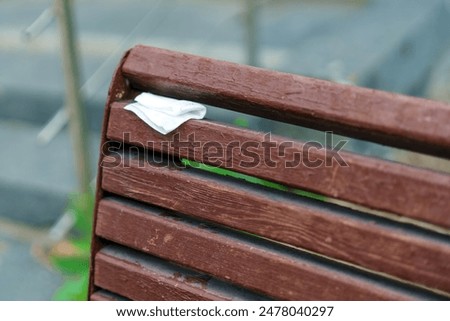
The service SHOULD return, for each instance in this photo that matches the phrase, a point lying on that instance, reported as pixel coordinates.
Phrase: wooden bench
(169, 232)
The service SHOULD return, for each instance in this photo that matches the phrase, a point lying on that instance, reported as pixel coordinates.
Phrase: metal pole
(252, 35)
(74, 103)
(97, 79)
(39, 25)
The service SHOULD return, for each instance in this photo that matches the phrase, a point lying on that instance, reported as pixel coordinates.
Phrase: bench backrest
(168, 225)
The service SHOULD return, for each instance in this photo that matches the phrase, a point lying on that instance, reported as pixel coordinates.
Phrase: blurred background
(395, 45)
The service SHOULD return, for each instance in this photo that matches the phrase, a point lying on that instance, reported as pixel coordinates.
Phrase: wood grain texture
(406, 122)
(265, 270)
(413, 192)
(139, 282)
(328, 230)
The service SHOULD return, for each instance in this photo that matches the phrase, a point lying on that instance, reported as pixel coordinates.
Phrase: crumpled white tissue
(165, 114)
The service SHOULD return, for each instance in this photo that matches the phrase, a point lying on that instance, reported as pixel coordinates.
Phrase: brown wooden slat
(406, 122)
(140, 281)
(102, 295)
(256, 267)
(286, 219)
(413, 192)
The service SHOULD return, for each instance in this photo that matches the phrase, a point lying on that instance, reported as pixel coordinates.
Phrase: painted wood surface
(102, 295)
(417, 193)
(290, 220)
(137, 282)
(268, 270)
(391, 248)
(395, 120)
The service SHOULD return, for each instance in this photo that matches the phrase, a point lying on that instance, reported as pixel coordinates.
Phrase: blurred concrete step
(168, 23)
(385, 44)
(35, 180)
(37, 107)
(439, 85)
(23, 277)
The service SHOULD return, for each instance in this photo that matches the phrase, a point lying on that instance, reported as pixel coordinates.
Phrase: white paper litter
(165, 114)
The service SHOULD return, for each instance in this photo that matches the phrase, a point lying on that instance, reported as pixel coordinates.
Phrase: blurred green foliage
(72, 255)
(241, 122)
